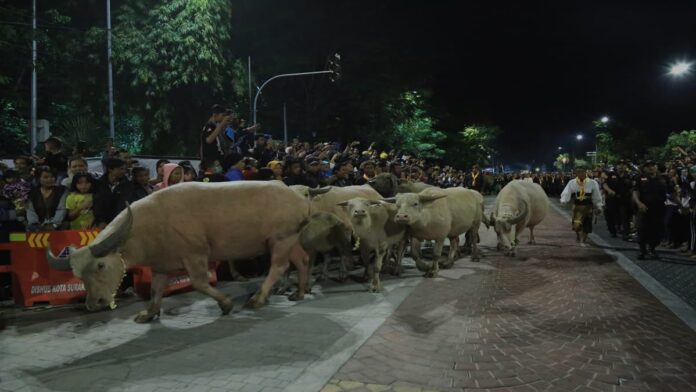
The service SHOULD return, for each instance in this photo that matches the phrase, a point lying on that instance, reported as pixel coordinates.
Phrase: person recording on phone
(211, 148)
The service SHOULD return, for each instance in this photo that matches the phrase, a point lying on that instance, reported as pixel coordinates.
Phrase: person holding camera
(211, 149)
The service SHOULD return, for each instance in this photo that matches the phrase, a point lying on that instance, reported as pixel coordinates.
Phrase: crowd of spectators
(53, 191)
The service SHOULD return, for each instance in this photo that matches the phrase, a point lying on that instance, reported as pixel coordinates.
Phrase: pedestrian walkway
(559, 317)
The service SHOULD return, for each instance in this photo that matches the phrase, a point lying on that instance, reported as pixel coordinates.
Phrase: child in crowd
(79, 202)
(189, 172)
(173, 174)
(159, 167)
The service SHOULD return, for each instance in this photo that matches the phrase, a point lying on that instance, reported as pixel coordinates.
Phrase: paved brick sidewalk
(285, 346)
(558, 317)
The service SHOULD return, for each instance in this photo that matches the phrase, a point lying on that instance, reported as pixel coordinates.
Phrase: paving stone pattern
(285, 346)
(674, 272)
(559, 317)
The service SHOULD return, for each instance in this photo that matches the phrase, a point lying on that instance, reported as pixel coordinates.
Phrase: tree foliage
(683, 139)
(414, 132)
(173, 56)
(472, 145)
(12, 130)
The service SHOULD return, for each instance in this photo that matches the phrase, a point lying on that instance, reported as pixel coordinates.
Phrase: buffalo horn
(520, 215)
(116, 239)
(319, 191)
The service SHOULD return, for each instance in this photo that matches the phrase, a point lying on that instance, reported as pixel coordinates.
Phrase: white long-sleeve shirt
(591, 190)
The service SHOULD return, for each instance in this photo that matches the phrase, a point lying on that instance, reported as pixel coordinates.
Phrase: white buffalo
(438, 214)
(519, 204)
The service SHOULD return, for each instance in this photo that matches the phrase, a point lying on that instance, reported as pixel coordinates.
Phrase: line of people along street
(651, 204)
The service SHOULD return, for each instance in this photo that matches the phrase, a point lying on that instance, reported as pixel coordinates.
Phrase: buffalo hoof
(475, 259)
(342, 277)
(253, 304)
(296, 296)
(532, 242)
(447, 265)
(430, 274)
(145, 317)
(226, 306)
(374, 289)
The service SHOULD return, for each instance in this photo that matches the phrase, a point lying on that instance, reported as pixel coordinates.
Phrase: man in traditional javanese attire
(587, 200)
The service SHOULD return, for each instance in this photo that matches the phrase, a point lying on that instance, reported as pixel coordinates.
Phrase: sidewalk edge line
(675, 304)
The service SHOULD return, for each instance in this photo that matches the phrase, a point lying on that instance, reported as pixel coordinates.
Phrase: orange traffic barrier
(33, 281)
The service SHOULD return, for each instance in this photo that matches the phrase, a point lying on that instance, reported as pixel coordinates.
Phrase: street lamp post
(334, 66)
(282, 76)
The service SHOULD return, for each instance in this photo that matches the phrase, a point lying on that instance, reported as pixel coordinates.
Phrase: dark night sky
(542, 71)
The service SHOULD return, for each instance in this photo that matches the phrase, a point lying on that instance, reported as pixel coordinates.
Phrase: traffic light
(335, 67)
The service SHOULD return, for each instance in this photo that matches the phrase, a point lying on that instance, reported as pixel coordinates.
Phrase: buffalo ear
(342, 204)
(389, 200)
(374, 202)
(101, 265)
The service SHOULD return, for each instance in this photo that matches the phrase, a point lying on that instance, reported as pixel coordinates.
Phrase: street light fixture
(579, 137)
(604, 120)
(680, 68)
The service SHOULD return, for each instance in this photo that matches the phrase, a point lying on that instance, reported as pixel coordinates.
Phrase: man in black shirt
(313, 175)
(618, 201)
(475, 180)
(211, 149)
(649, 195)
(54, 157)
(105, 196)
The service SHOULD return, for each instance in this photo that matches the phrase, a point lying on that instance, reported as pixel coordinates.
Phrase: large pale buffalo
(518, 205)
(184, 227)
(439, 214)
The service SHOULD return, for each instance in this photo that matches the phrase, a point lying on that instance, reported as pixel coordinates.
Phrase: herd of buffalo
(243, 220)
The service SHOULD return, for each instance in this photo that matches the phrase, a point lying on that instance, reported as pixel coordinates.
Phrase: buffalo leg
(380, 253)
(454, 248)
(280, 256)
(159, 283)
(398, 257)
(300, 259)
(417, 257)
(475, 251)
(531, 235)
(199, 280)
(437, 253)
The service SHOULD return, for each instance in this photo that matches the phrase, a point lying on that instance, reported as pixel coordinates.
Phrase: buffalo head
(99, 265)
(505, 225)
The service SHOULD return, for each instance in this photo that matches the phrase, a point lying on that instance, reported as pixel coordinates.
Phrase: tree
(683, 139)
(561, 161)
(13, 131)
(413, 128)
(472, 145)
(175, 60)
